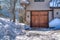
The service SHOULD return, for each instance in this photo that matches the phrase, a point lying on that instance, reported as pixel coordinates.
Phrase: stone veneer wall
(38, 5)
(28, 17)
(50, 16)
(56, 13)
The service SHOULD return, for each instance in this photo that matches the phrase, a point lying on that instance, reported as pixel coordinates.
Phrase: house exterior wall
(50, 16)
(28, 17)
(38, 5)
(56, 13)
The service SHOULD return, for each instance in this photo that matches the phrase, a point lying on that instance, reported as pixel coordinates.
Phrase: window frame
(39, 0)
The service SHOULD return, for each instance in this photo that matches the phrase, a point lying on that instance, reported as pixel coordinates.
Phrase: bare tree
(10, 6)
(13, 9)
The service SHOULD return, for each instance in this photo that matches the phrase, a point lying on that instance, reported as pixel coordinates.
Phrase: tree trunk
(13, 11)
(14, 18)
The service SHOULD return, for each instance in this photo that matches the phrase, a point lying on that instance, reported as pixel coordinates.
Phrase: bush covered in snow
(55, 23)
(10, 29)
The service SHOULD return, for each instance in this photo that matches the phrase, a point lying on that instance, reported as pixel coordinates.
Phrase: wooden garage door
(40, 19)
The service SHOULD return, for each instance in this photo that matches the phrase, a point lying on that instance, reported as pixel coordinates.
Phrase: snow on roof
(55, 3)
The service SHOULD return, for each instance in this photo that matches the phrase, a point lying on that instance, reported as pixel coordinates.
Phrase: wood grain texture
(40, 19)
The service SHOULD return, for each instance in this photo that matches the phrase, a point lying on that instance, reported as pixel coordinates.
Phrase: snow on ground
(55, 23)
(15, 31)
(10, 29)
(40, 35)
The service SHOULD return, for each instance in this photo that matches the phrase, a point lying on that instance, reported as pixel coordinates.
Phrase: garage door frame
(39, 11)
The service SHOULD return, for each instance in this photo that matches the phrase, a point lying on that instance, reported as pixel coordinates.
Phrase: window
(38, 0)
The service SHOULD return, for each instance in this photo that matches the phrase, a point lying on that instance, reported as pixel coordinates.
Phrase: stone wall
(38, 5)
(28, 17)
(56, 13)
(50, 16)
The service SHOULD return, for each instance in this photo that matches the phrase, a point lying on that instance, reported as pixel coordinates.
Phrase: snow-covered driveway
(40, 35)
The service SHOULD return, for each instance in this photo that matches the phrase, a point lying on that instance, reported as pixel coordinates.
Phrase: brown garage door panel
(40, 19)
(35, 21)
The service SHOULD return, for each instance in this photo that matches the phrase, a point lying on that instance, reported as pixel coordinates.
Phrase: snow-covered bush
(55, 23)
(10, 29)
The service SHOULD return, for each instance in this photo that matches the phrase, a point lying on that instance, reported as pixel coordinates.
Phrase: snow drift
(55, 23)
